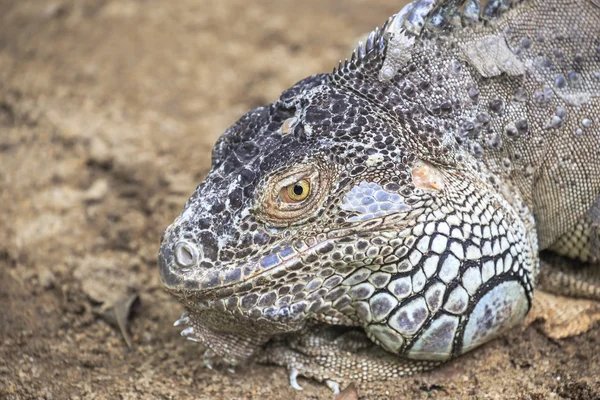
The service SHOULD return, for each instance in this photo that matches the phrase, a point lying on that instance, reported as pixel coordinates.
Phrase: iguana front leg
(338, 356)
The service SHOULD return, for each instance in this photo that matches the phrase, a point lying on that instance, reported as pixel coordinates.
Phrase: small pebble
(47, 279)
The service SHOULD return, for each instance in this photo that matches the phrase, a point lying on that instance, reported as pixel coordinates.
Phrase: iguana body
(406, 195)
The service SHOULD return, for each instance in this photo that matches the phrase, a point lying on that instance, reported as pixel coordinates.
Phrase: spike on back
(375, 42)
(430, 15)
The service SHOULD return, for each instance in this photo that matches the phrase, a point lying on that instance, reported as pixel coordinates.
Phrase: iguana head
(348, 201)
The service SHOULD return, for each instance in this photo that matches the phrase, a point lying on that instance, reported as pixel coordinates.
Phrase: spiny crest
(391, 45)
(430, 15)
(438, 15)
(375, 42)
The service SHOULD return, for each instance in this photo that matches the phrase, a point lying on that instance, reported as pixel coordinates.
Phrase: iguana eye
(296, 192)
(293, 196)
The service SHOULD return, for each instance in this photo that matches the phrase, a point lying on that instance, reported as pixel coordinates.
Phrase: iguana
(398, 212)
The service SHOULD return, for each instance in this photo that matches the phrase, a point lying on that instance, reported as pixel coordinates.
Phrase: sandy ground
(108, 112)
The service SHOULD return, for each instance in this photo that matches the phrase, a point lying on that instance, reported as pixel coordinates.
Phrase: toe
(294, 379)
(333, 385)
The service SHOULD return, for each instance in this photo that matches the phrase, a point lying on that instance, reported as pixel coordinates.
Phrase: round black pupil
(298, 190)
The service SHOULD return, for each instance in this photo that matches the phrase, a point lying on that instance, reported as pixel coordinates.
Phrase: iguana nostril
(186, 254)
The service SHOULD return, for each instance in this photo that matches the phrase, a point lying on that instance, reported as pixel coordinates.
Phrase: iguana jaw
(191, 280)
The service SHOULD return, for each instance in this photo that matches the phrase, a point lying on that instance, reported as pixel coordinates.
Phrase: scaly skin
(405, 196)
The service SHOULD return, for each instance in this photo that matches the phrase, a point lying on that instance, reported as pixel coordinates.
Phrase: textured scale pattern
(460, 140)
(579, 243)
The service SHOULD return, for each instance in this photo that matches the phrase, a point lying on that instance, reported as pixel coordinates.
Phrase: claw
(181, 321)
(334, 386)
(187, 331)
(207, 358)
(192, 339)
(231, 370)
(294, 379)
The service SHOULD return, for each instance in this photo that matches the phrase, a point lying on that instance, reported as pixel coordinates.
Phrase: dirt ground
(108, 112)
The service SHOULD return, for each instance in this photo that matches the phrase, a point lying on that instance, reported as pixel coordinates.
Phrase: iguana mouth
(223, 283)
(286, 261)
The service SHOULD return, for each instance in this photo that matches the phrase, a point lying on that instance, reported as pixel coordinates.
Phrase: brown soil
(108, 112)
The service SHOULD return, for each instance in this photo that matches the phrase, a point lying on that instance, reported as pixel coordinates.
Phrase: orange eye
(296, 192)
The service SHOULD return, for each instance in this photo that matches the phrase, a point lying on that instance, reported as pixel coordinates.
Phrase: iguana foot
(338, 356)
(223, 349)
(294, 373)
